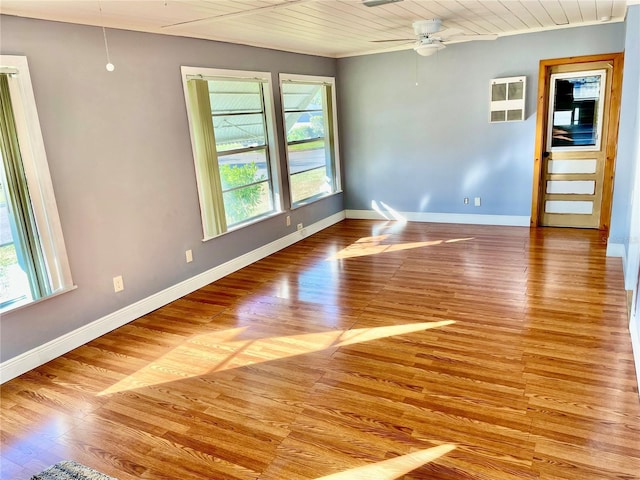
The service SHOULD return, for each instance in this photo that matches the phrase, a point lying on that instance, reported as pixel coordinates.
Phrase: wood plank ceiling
(331, 28)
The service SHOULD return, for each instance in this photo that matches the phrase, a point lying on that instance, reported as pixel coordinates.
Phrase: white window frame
(34, 159)
(188, 72)
(331, 81)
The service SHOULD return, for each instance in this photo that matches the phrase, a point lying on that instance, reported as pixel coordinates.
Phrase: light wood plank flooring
(370, 350)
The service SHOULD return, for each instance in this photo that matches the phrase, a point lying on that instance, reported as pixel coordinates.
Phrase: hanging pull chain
(110, 66)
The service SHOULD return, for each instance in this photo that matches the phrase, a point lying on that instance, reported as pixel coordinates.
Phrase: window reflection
(576, 106)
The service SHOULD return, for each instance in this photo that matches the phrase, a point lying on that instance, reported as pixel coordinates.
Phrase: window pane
(14, 283)
(310, 183)
(245, 203)
(233, 96)
(305, 126)
(239, 169)
(306, 156)
(576, 106)
(297, 96)
(233, 132)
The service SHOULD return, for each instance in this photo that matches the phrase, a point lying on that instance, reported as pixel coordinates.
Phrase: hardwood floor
(370, 350)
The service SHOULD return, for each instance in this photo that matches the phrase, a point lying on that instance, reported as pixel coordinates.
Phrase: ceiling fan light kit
(428, 49)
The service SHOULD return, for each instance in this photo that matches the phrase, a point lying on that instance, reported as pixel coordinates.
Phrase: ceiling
(330, 28)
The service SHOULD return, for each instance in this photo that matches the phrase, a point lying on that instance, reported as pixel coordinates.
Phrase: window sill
(19, 305)
(317, 198)
(248, 223)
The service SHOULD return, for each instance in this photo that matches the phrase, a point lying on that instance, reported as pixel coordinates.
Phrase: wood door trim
(612, 143)
(616, 60)
(541, 127)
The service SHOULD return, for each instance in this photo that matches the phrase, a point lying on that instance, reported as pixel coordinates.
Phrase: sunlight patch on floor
(220, 351)
(394, 467)
(374, 246)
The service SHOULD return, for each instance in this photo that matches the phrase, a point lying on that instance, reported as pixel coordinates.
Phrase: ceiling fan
(432, 38)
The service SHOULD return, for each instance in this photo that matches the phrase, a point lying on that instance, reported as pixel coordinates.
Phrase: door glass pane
(572, 166)
(578, 187)
(572, 206)
(575, 118)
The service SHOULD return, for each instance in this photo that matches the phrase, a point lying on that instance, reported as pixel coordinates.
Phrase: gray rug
(70, 470)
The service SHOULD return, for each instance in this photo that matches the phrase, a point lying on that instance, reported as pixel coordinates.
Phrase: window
(33, 258)
(231, 123)
(575, 122)
(312, 140)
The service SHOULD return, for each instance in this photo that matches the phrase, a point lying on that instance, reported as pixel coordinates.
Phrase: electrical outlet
(476, 201)
(300, 226)
(466, 200)
(189, 255)
(288, 220)
(118, 284)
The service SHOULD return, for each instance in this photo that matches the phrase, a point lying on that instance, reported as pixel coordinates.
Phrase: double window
(33, 258)
(231, 118)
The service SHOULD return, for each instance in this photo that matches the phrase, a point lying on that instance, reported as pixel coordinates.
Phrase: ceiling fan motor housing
(427, 27)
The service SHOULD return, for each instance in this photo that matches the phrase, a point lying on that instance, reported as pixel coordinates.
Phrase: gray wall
(423, 148)
(120, 156)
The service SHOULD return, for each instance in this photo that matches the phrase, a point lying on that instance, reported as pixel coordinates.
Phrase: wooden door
(578, 110)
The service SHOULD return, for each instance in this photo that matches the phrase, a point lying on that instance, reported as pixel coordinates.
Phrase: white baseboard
(471, 219)
(616, 250)
(40, 355)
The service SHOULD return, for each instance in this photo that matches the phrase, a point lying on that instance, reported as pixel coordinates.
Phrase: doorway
(576, 141)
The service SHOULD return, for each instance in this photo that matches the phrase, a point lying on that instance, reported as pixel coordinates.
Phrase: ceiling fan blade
(468, 38)
(394, 40)
(447, 32)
